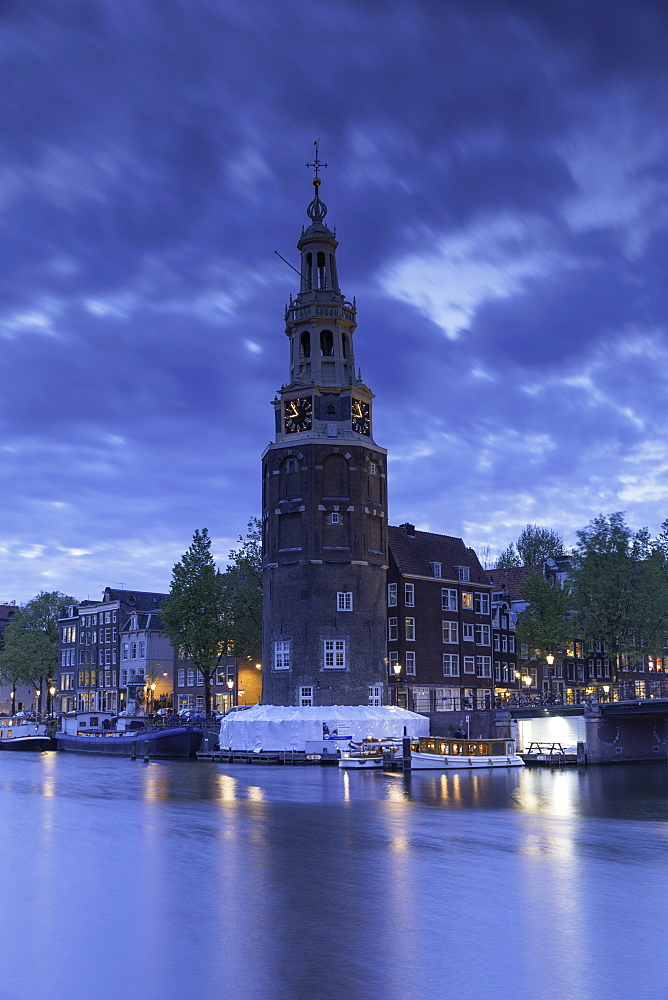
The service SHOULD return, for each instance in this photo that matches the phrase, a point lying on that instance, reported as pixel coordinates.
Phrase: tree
(620, 585)
(546, 625)
(243, 594)
(534, 546)
(508, 558)
(30, 654)
(195, 611)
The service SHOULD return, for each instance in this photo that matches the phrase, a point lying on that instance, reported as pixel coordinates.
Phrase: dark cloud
(495, 166)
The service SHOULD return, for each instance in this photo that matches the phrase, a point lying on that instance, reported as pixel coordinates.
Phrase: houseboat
(21, 733)
(431, 753)
(100, 732)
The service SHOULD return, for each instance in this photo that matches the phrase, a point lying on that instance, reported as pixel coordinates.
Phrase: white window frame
(409, 625)
(334, 654)
(482, 635)
(437, 569)
(391, 595)
(483, 666)
(481, 603)
(335, 517)
(469, 664)
(409, 595)
(305, 696)
(392, 629)
(451, 664)
(375, 695)
(181, 677)
(410, 662)
(448, 599)
(344, 601)
(463, 573)
(450, 632)
(468, 634)
(282, 654)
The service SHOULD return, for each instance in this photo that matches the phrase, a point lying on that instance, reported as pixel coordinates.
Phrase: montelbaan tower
(324, 499)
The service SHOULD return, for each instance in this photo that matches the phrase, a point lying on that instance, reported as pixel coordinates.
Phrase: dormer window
(463, 573)
(437, 569)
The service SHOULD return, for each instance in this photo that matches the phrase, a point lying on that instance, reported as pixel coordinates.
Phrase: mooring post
(406, 751)
(134, 750)
(146, 751)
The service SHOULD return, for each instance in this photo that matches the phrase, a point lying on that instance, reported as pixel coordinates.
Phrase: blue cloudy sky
(498, 178)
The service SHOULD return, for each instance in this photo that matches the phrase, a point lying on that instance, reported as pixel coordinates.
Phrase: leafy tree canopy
(243, 593)
(195, 611)
(534, 546)
(546, 625)
(620, 585)
(30, 653)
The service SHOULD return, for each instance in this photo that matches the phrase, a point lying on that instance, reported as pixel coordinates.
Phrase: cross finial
(316, 163)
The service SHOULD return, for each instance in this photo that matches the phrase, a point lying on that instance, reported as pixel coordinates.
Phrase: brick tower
(324, 500)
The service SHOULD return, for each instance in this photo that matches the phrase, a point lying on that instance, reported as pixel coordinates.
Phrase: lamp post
(38, 694)
(549, 659)
(230, 684)
(49, 708)
(396, 667)
(152, 688)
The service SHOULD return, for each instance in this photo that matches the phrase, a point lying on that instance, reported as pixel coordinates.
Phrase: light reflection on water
(280, 883)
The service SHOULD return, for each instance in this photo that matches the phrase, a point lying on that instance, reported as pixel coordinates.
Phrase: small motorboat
(368, 754)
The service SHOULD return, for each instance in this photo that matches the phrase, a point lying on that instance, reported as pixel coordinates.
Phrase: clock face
(361, 419)
(298, 414)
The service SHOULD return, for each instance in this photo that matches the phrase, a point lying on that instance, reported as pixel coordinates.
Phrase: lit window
(344, 601)
(467, 599)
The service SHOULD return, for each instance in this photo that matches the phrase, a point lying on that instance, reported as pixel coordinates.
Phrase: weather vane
(316, 162)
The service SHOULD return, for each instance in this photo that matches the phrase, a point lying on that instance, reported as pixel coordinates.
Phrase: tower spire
(317, 210)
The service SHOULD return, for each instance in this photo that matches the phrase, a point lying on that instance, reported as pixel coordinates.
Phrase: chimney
(409, 529)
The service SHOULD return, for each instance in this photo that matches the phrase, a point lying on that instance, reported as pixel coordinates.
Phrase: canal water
(128, 880)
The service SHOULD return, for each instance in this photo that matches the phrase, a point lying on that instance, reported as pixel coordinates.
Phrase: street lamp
(37, 697)
(230, 684)
(52, 691)
(152, 688)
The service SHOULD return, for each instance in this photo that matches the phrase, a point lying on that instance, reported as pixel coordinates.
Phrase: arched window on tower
(332, 271)
(322, 275)
(344, 344)
(305, 341)
(327, 343)
(309, 272)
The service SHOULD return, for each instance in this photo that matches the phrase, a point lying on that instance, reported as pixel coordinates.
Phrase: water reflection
(290, 883)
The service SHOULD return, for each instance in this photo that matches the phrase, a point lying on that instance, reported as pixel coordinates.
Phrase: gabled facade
(439, 623)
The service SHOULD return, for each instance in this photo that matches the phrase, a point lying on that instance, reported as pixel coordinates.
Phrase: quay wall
(622, 739)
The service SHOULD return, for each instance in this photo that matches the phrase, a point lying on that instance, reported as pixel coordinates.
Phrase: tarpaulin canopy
(279, 727)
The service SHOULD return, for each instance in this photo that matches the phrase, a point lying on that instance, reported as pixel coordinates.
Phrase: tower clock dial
(298, 414)
(361, 420)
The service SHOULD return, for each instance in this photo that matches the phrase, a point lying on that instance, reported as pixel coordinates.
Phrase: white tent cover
(278, 727)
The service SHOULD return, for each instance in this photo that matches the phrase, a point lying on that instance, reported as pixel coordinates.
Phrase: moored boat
(99, 732)
(21, 733)
(436, 754)
(368, 754)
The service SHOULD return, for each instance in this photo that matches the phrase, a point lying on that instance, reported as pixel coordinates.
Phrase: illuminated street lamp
(230, 684)
(37, 697)
(49, 709)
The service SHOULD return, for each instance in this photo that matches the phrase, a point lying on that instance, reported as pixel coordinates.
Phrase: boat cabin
(466, 748)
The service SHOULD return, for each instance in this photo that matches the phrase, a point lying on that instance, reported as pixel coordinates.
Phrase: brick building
(439, 623)
(324, 503)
